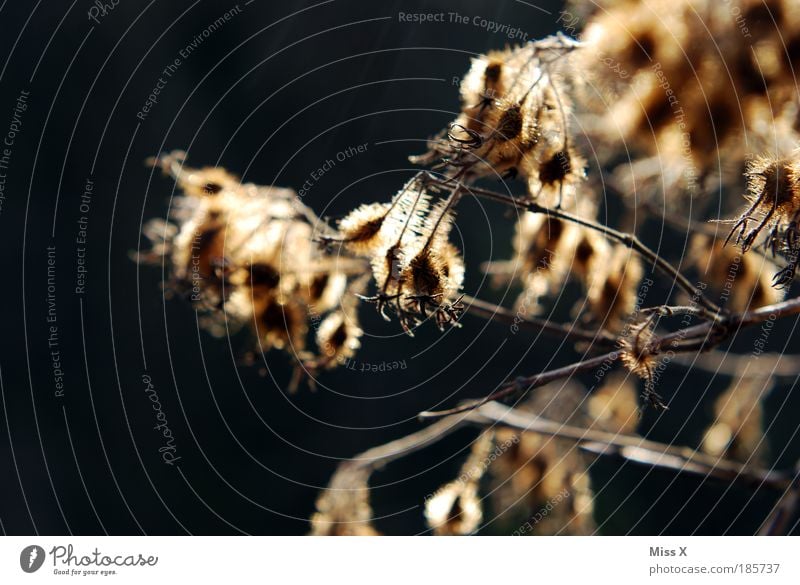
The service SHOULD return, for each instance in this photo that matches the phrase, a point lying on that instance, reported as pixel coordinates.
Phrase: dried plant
(673, 103)
(245, 257)
(456, 509)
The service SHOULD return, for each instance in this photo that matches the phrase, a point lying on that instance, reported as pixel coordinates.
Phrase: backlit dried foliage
(417, 272)
(687, 109)
(344, 509)
(456, 509)
(546, 478)
(515, 120)
(245, 256)
(695, 85)
(740, 280)
(736, 432)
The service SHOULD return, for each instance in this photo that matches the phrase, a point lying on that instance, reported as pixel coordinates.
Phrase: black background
(271, 95)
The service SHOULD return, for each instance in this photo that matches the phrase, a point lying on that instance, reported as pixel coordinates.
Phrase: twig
(695, 338)
(784, 511)
(377, 457)
(631, 447)
(490, 310)
(525, 384)
(730, 364)
(713, 311)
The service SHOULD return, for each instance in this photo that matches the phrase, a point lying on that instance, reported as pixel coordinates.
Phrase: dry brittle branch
(712, 310)
(492, 311)
(631, 447)
(348, 483)
(701, 337)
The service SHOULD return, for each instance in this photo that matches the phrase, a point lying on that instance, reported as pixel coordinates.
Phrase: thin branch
(713, 311)
(525, 384)
(700, 337)
(490, 310)
(603, 443)
(784, 511)
(731, 364)
(377, 457)
(631, 447)
(673, 311)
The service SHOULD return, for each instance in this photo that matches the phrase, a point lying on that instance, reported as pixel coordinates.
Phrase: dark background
(271, 95)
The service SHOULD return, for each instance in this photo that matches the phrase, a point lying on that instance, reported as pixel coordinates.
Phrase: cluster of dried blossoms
(685, 121)
(541, 482)
(773, 212)
(696, 90)
(692, 87)
(517, 121)
(417, 271)
(244, 255)
(673, 103)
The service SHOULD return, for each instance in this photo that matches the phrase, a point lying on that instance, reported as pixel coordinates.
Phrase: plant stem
(695, 338)
(483, 308)
(631, 447)
(712, 310)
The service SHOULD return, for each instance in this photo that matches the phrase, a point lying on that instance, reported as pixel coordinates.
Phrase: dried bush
(675, 107)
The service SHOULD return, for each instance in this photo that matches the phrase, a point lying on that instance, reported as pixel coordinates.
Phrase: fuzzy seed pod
(774, 206)
(591, 252)
(554, 180)
(324, 291)
(337, 339)
(361, 228)
(280, 325)
(637, 355)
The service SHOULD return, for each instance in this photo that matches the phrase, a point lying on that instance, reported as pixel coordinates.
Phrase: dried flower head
(639, 357)
(558, 172)
(612, 293)
(742, 281)
(736, 431)
(613, 405)
(418, 273)
(455, 508)
(343, 509)
(361, 228)
(773, 211)
(338, 338)
(542, 477)
(245, 256)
